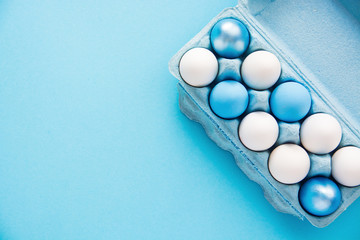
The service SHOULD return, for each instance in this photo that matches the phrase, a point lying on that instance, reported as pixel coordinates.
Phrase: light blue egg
(290, 102)
(229, 38)
(229, 99)
(320, 196)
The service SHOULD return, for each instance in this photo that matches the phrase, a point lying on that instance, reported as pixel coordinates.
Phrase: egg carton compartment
(195, 105)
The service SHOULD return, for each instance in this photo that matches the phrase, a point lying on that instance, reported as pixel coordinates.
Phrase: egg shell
(290, 101)
(289, 163)
(320, 133)
(228, 99)
(198, 67)
(258, 131)
(320, 196)
(260, 70)
(229, 38)
(346, 166)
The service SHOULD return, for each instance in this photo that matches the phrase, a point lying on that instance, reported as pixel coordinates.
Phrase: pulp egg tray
(194, 104)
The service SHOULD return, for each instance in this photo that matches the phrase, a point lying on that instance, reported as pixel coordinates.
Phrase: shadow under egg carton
(194, 104)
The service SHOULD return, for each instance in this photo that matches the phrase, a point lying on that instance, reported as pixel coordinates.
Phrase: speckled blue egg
(228, 99)
(320, 196)
(290, 101)
(229, 38)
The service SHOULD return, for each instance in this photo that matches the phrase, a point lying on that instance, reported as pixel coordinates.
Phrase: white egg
(258, 131)
(260, 70)
(346, 166)
(320, 133)
(289, 163)
(198, 67)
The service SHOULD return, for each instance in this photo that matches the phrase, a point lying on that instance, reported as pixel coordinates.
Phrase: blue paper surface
(93, 144)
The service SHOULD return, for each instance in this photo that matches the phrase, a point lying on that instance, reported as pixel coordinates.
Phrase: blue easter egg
(320, 196)
(290, 102)
(229, 38)
(228, 99)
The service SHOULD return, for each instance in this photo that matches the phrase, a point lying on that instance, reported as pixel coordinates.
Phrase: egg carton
(194, 104)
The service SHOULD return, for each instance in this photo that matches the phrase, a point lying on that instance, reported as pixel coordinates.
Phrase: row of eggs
(288, 163)
(290, 101)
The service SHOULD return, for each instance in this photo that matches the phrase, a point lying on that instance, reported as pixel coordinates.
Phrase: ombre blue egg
(290, 102)
(229, 38)
(228, 99)
(320, 196)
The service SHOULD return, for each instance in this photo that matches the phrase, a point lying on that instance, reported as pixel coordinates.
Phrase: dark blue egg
(320, 196)
(229, 38)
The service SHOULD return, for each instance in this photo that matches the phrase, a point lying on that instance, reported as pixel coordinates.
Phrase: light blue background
(93, 144)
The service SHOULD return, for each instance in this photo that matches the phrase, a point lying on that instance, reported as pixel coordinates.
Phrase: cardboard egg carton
(194, 102)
